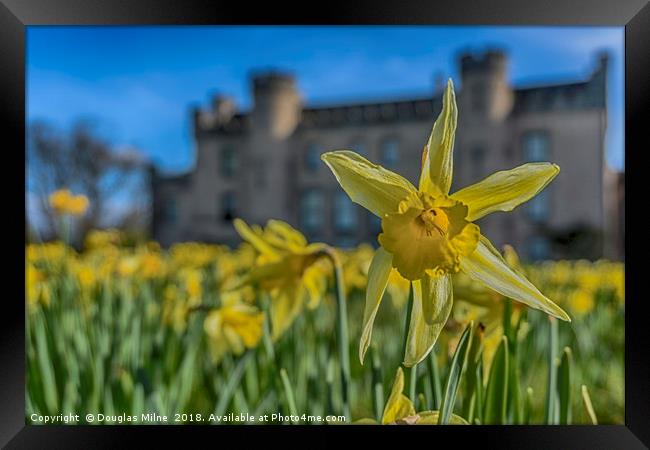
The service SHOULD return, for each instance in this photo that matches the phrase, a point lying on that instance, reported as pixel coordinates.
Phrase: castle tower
(277, 107)
(486, 92)
(274, 117)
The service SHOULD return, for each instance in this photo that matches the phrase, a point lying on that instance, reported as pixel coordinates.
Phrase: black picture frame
(634, 15)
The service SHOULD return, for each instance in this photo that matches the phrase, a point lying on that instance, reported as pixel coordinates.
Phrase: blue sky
(138, 83)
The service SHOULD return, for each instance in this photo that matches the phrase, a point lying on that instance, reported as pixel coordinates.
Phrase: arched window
(390, 152)
(311, 210)
(345, 214)
(228, 206)
(536, 146)
(169, 210)
(536, 149)
(228, 163)
(477, 155)
(312, 157)
(538, 248)
(360, 147)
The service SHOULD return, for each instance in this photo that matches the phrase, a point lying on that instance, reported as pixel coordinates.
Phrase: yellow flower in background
(127, 266)
(193, 283)
(428, 234)
(63, 201)
(96, 239)
(581, 301)
(36, 287)
(52, 253)
(356, 263)
(152, 265)
(286, 268)
(234, 327)
(399, 409)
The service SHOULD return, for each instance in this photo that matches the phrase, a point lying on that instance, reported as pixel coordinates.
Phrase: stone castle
(265, 163)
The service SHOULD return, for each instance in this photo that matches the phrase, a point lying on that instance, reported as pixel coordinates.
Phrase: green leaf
(496, 396)
(551, 390)
(474, 358)
(528, 405)
(434, 379)
(288, 391)
(586, 400)
(458, 363)
(564, 387)
(232, 384)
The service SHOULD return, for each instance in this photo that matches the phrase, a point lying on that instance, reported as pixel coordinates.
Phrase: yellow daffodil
(429, 234)
(63, 201)
(233, 327)
(286, 268)
(355, 266)
(399, 409)
(36, 287)
(96, 239)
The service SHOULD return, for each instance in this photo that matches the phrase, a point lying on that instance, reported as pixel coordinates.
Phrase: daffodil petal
(377, 189)
(398, 405)
(488, 266)
(422, 336)
(431, 418)
(378, 274)
(435, 292)
(437, 161)
(253, 238)
(507, 189)
(286, 303)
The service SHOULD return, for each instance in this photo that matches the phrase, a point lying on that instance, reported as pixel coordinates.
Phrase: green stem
(434, 378)
(377, 385)
(289, 393)
(412, 371)
(551, 392)
(341, 330)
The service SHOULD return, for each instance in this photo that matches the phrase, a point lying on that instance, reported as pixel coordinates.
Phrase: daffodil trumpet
(428, 234)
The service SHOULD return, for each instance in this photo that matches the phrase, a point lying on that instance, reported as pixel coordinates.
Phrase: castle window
(390, 152)
(312, 206)
(360, 147)
(477, 155)
(538, 207)
(312, 157)
(538, 248)
(170, 212)
(536, 146)
(228, 206)
(345, 213)
(478, 98)
(374, 223)
(228, 162)
(346, 242)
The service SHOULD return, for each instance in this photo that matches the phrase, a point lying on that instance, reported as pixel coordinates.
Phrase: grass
(106, 337)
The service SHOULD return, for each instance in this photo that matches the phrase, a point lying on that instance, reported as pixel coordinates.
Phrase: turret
(221, 110)
(277, 104)
(486, 93)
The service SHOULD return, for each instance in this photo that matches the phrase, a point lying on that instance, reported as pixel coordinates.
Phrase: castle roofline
(569, 95)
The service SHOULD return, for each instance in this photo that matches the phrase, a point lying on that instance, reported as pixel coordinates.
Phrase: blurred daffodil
(286, 267)
(234, 327)
(36, 287)
(428, 234)
(399, 409)
(63, 201)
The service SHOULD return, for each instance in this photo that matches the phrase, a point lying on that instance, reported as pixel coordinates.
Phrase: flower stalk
(342, 332)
